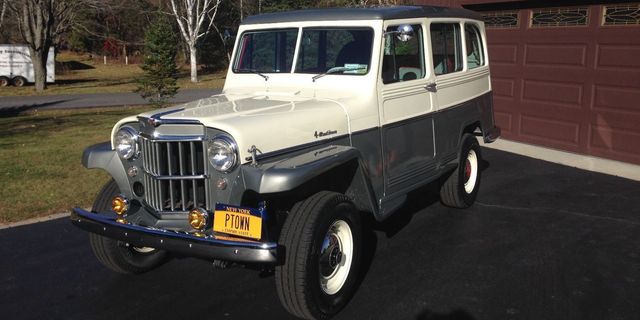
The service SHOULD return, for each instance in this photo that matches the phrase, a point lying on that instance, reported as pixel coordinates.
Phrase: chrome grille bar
(175, 175)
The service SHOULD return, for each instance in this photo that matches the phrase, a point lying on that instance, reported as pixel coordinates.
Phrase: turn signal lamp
(120, 205)
(198, 218)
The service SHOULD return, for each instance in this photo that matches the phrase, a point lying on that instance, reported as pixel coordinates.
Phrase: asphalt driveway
(17, 103)
(543, 241)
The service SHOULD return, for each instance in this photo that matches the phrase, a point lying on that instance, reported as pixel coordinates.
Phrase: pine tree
(158, 84)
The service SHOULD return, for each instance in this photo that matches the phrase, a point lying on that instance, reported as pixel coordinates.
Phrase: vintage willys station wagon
(326, 116)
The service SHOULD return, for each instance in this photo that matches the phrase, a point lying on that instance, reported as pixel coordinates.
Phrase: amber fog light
(120, 205)
(198, 218)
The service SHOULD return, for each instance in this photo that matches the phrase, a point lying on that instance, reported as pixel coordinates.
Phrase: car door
(461, 74)
(406, 105)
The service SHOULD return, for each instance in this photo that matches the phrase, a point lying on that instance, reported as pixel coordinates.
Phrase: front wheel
(117, 255)
(461, 188)
(322, 239)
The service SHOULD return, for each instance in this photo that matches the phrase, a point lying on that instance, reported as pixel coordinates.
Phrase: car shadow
(17, 110)
(416, 201)
(454, 315)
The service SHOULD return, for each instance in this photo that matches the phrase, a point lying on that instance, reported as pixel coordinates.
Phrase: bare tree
(195, 19)
(41, 22)
(2, 11)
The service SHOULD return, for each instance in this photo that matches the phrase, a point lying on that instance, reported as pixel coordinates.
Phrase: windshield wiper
(337, 69)
(258, 73)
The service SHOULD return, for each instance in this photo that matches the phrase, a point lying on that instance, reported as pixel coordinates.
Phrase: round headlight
(126, 143)
(222, 153)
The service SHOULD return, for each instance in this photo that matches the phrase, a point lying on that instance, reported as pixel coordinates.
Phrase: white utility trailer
(16, 67)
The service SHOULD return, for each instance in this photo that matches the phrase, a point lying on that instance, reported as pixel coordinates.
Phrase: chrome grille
(175, 175)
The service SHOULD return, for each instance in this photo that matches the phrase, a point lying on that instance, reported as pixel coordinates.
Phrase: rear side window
(446, 45)
(475, 53)
(403, 60)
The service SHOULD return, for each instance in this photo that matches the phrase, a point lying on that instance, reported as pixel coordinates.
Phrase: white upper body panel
(286, 108)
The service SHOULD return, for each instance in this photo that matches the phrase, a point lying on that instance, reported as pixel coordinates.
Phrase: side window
(446, 45)
(475, 53)
(403, 61)
(323, 49)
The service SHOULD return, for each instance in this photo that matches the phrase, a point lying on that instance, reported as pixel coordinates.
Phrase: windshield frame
(237, 56)
(296, 53)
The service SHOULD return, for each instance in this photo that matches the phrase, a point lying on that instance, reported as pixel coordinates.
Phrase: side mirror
(404, 32)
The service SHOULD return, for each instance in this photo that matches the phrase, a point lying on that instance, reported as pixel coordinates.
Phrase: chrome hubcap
(330, 255)
(335, 257)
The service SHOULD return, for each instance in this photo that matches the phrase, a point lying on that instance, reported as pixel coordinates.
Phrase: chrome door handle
(431, 87)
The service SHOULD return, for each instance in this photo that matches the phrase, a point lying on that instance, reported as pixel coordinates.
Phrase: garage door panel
(503, 87)
(561, 94)
(503, 54)
(572, 87)
(504, 121)
(622, 57)
(621, 78)
(610, 140)
(555, 74)
(556, 55)
(550, 130)
(617, 99)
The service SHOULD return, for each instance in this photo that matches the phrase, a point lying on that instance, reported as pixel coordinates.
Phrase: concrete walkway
(18, 104)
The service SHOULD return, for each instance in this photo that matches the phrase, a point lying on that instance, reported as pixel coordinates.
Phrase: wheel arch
(333, 168)
(100, 156)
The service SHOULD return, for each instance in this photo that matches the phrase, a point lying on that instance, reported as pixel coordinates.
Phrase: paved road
(543, 242)
(8, 104)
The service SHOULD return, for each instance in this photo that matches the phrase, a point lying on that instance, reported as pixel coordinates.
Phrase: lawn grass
(40, 160)
(77, 74)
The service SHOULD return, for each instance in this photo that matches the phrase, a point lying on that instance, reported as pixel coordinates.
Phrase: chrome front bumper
(183, 243)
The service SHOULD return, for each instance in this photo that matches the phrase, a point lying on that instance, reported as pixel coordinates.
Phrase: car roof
(369, 13)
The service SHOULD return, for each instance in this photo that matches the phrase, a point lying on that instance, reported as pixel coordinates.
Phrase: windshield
(321, 51)
(269, 51)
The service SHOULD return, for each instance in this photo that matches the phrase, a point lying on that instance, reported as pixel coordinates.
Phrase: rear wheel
(322, 239)
(461, 188)
(4, 81)
(19, 81)
(117, 255)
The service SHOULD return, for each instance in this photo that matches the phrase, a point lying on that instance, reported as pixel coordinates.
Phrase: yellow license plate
(243, 222)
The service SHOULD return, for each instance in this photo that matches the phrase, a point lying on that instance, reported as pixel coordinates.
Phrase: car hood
(269, 122)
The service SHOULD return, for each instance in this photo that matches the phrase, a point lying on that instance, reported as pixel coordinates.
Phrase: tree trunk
(193, 54)
(39, 60)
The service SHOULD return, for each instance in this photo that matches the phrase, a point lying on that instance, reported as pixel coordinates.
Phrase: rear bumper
(492, 134)
(183, 243)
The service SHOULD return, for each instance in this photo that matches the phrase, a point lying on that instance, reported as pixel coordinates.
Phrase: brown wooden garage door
(569, 77)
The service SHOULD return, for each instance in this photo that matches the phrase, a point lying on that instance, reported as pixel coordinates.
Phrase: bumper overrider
(492, 134)
(183, 243)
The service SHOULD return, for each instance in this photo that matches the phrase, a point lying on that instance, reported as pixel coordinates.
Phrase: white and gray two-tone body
(349, 133)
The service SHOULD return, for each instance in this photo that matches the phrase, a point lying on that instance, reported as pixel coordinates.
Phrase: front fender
(101, 156)
(288, 174)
